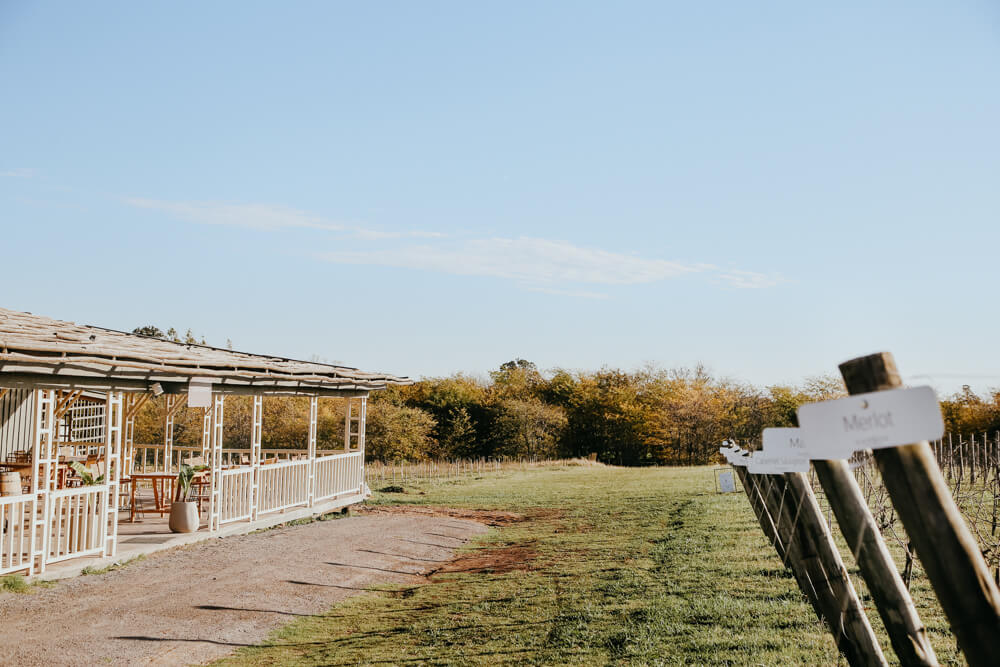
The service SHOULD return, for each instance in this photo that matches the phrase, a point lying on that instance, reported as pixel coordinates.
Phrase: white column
(362, 424)
(256, 435)
(128, 444)
(168, 435)
(347, 426)
(311, 446)
(206, 433)
(113, 409)
(43, 459)
(215, 462)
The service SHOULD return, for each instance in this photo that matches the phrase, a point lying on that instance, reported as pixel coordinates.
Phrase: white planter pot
(184, 517)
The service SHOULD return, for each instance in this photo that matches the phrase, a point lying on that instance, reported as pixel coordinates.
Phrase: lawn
(610, 565)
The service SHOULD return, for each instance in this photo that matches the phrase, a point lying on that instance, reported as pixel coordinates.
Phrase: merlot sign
(836, 429)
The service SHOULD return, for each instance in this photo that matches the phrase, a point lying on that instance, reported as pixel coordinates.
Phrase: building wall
(16, 421)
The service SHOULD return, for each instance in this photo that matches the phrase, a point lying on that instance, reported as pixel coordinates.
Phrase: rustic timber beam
(98, 383)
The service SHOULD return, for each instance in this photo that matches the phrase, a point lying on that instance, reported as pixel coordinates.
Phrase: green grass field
(611, 566)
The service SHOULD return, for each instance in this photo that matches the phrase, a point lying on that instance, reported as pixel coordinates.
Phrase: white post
(256, 435)
(362, 423)
(215, 462)
(206, 434)
(128, 444)
(43, 459)
(311, 446)
(113, 408)
(168, 435)
(347, 427)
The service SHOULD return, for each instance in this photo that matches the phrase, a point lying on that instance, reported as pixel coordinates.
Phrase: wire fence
(378, 474)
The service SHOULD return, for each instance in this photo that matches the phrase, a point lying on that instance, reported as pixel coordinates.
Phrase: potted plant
(86, 475)
(183, 512)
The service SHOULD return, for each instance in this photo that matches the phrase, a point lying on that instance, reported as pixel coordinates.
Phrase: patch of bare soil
(499, 560)
(488, 517)
(197, 603)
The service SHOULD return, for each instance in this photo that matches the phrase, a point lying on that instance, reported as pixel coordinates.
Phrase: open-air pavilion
(71, 393)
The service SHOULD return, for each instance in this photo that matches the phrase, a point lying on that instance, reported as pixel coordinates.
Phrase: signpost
(876, 420)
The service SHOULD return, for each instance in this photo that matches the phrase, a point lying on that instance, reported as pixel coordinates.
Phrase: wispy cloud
(536, 264)
(265, 217)
(579, 294)
(20, 172)
(749, 279)
(543, 265)
(529, 260)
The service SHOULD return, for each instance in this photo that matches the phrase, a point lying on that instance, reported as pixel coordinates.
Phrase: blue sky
(766, 188)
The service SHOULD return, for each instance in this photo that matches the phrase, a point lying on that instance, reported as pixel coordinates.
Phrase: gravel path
(196, 603)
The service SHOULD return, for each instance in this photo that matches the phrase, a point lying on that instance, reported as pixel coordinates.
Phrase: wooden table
(163, 489)
(161, 495)
(61, 470)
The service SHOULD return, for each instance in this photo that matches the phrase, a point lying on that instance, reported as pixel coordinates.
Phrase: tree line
(649, 416)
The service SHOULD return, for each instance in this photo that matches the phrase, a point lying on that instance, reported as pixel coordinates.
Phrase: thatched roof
(40, 351)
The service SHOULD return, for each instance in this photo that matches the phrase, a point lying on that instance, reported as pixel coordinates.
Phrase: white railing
(236, 497)
(151, 458)
(338, 474)
(17, 514)
(282, 485)
(77, 522)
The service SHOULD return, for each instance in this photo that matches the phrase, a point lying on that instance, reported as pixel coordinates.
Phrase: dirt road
(196, 603)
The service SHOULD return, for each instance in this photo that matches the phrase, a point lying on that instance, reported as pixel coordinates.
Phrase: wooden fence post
(810, 549)
(906, 633)
(946, 548)
(765, 515)
(842, 608)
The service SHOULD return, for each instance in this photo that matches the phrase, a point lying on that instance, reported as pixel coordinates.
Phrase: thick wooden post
(946, 548)
(803, 530)
(906, 633)
(752, 484)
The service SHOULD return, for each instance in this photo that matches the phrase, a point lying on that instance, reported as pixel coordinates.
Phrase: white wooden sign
(726, 482)
(199, 393)
(836, 429)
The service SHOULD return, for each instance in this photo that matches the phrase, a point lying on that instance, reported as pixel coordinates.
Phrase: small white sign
(199, 393)
(726, 482)
(836, 429)
(764, 463)
(784, 451)
(741, 459)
